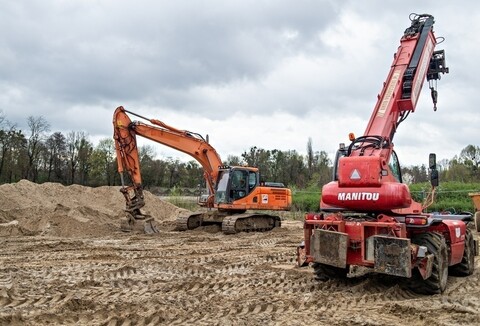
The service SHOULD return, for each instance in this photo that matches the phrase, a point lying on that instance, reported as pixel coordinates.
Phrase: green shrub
(451, 196)
(306, 200)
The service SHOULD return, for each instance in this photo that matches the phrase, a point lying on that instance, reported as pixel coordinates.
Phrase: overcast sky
(269, 74)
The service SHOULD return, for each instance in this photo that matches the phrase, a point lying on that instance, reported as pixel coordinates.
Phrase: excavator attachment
(139, 223)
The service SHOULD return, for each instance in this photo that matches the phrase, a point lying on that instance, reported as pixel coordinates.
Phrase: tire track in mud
(122, 279)
(198, 278)
(375, 294)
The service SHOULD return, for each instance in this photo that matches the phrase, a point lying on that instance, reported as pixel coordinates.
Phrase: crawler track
(188, 221)
(250, 222)
(230, 224)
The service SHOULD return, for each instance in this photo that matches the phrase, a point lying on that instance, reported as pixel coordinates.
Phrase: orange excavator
(235, 193)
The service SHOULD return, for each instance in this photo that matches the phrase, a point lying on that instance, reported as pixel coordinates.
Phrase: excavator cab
(234, 183)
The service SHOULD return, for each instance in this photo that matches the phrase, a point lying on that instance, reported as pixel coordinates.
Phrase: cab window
(395, 167)
(252, 180)
(239, 184)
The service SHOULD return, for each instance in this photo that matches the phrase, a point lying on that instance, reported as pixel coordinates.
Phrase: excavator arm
(125, 133)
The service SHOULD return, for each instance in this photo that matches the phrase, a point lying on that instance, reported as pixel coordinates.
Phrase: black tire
(437, 282)
(477, 221)
(467, 265)
(326, 272)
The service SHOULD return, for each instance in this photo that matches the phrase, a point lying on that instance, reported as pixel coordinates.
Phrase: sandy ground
(70, 264)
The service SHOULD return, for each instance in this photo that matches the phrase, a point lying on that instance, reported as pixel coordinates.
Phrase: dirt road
(51, 276)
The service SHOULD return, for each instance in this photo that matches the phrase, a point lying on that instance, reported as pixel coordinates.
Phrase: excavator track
(250, 222)
(188, 221)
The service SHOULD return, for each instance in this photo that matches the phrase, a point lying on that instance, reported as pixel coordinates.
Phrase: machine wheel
(326, 272)
(437, 282)
(477, 221)
(467, 265)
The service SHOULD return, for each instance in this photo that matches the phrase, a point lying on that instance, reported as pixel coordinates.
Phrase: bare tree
(107, 149)
(85, 150)
(38, 129)
(2, 118)
(310, 157)
(56, 156)
(470, 156)
(72, 154)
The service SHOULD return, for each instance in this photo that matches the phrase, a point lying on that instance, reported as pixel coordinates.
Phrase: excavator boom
(193, 144)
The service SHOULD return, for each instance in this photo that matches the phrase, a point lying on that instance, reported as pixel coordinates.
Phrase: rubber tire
(477, 221)
(324, 272)
(437, 282)
(467, 265)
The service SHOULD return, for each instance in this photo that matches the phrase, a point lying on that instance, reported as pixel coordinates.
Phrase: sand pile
(69, 211)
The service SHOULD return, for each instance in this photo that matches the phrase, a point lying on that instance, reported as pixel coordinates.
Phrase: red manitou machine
(368, 221)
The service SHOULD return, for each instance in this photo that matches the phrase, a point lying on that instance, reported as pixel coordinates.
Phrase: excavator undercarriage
(229, 223)
(214, 220)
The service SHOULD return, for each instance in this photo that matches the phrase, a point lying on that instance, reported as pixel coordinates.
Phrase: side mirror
(432, 162)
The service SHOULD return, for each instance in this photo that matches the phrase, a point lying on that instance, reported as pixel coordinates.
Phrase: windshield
(252, 180)
(395, 167)
(340, 153)
(221, 191)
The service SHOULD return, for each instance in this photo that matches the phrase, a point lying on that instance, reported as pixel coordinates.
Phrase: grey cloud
(88, 52)
(75, 61)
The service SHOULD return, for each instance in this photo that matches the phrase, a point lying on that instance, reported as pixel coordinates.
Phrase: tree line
(39, 155)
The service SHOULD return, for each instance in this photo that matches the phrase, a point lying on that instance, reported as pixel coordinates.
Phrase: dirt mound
(73, 211)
